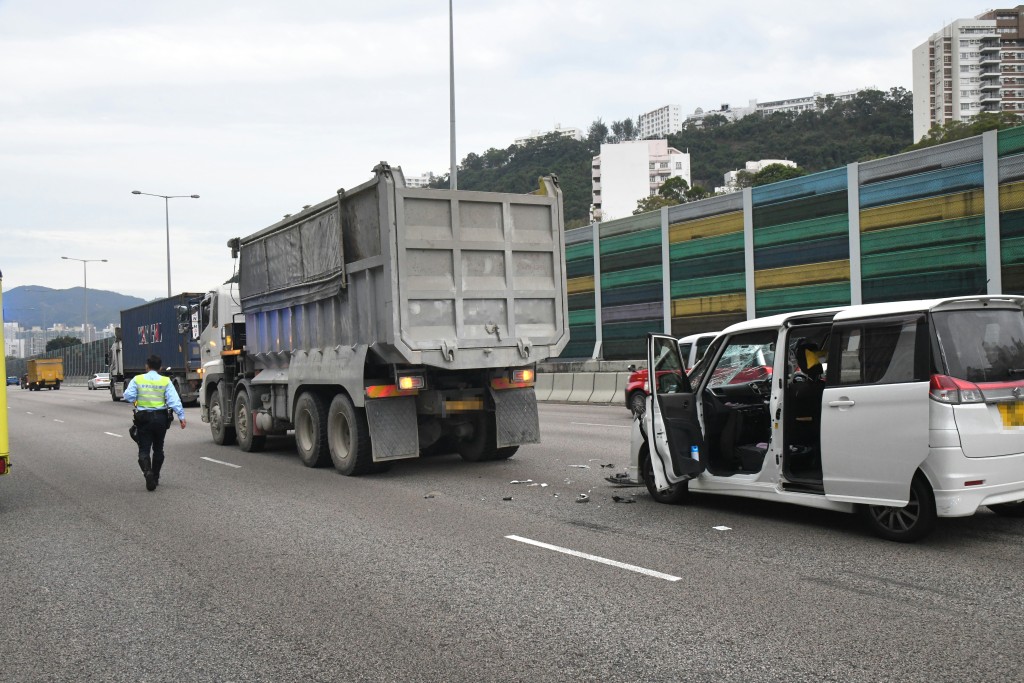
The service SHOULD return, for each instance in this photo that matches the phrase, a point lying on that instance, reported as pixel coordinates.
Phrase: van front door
(672, 425)
(874, 414)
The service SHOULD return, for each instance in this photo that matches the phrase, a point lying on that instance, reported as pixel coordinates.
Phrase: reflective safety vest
(151, 391)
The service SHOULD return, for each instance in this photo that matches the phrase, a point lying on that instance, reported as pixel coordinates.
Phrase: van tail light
(954, 391)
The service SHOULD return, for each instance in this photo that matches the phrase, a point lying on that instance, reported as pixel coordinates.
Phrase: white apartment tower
(626, 172)
(970, 66)
(660, 122)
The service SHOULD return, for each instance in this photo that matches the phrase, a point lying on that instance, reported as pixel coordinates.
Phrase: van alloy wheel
(908, 523)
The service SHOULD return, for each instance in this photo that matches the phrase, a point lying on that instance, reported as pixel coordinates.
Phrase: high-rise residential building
(660, 122)
(625, 172)
(422, 180)
(970, 66)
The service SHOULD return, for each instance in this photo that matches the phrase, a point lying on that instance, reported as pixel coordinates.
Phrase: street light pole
(85, 289)
(167, 224)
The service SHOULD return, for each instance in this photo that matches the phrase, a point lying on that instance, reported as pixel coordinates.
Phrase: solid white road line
(220, 462)
(113, 434)
(595, 558)
(597, 424)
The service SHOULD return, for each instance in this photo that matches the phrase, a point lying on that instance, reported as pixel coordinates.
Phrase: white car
(101, 380)
(903, 412)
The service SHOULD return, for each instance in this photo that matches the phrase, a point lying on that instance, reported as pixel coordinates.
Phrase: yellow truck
(45, 373)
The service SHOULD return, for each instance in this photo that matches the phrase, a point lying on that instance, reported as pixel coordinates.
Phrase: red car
(691, 349)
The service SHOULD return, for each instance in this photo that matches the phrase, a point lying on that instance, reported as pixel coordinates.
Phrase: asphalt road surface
(251, 567)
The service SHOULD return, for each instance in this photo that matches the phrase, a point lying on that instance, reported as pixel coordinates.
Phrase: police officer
(154, 397)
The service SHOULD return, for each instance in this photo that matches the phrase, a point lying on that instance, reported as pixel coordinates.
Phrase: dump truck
(44, 373)
(388, 322)
(152, 329)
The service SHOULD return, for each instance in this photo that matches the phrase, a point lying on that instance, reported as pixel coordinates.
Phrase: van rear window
(982, 345)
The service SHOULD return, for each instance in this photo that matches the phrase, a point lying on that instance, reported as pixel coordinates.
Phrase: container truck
(388, 322)
(152, 328)
(44, 373)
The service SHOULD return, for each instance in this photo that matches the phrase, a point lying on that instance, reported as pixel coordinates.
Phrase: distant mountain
(33, 305)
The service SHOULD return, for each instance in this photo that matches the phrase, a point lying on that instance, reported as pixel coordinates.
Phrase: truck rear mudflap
(400, 426)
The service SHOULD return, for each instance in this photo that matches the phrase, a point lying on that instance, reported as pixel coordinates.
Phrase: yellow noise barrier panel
(722, 224)
(578, 285)
(703, 305)
(928, 210)
(809, 274)
(1011, 196)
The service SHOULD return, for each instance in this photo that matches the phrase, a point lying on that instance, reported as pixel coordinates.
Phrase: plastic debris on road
(433, 494)
(507, 498)
(620, 499)
(581, 467)
(583, 498)
(722, 528)
(609, 465)
(523, 481)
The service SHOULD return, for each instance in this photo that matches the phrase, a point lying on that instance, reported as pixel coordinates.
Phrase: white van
(903, 411)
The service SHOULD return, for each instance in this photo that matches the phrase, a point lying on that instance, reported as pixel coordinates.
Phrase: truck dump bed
(451, 279)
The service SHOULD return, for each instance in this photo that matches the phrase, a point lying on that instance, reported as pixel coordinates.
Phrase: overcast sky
(262, 106)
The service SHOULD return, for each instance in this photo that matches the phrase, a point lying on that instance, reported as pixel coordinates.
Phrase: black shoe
(151, 481)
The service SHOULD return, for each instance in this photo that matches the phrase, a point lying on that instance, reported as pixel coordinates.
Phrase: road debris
(722, 528)
(609, 465)
(582, 498)
(507, 498)
(620, 499)
(524, 481)
(433, 494)
(581, 467)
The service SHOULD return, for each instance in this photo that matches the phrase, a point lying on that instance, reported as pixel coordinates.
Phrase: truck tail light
(410, 382)
(522, 376)
(954, 391)
(3, 466)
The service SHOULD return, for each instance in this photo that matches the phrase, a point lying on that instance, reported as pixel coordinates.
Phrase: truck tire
(113, 392)
(311, 430)
(348, 438)
(223, 434)
(247, 440)
(482, 446)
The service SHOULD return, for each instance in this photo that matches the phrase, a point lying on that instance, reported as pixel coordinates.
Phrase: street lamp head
(103, 260)
(195, 196)
(65, 258)
(136, 192)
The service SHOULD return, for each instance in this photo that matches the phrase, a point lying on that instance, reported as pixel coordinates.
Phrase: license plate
(1012, 414)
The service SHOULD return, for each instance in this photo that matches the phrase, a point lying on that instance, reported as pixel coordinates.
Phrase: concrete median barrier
(561, 386)
(604, 388)
(582, 387)
(544, 384)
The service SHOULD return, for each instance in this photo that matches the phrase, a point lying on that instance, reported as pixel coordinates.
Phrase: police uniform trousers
(152, 428)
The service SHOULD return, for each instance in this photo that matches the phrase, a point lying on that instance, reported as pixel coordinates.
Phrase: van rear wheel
(908, 523)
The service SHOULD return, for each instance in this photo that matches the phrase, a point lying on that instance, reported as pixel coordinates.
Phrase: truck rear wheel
(223, 434)
(247, 440)
(482, 446)
(311, 430)
(348, 438)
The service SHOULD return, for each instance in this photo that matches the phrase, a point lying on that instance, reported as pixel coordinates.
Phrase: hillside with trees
(872, 124)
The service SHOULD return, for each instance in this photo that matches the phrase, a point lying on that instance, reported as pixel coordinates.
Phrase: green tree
(653, 203)
(62, 342)
(773, 173)
(958, 130)
(596, 134)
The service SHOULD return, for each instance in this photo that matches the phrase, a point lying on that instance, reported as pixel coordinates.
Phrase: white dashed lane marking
(595, 558)
(220, 462)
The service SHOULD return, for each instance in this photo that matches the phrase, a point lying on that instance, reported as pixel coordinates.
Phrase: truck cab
(217, 323)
